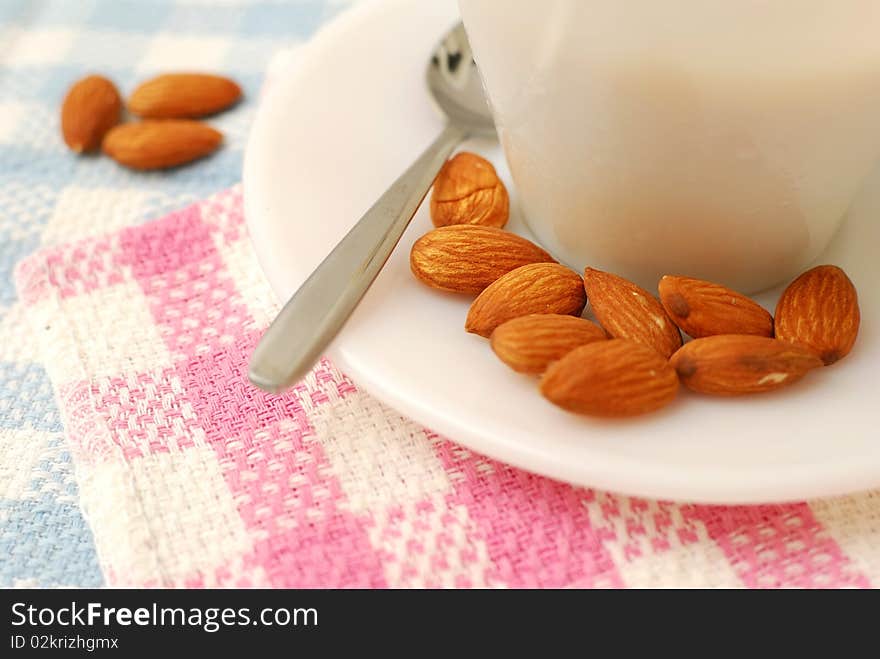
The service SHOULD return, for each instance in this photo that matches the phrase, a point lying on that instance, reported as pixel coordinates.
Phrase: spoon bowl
(455, 84)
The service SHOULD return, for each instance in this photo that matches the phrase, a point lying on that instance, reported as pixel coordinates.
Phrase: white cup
(721, 139)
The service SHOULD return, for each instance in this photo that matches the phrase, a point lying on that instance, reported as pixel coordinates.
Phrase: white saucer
(339, 127)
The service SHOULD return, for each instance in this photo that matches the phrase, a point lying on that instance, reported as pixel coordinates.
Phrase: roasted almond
(91, 107)
(468, 191)
(701, 308)
(160, 144)
(535, 288)
(627, 311)
(529, 344)
(611, 378)
(820, 310)
(183, 96)
(732, 365)
(466, 259)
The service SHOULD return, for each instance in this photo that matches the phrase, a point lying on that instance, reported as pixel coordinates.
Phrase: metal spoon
(319, 309)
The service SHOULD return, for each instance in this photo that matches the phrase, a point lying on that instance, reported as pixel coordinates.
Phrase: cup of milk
(720, 139)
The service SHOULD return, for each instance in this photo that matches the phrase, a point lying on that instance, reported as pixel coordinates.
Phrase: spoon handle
(310, 320)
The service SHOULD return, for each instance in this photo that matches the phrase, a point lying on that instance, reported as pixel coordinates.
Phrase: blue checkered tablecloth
(48, 196)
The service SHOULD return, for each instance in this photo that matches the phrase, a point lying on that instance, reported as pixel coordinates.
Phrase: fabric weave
(49, 197)
(191, 477)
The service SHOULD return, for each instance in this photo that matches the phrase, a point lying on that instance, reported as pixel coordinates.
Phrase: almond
(701, 308)
(529, 344)
(535, 288)
(820, 310)
(611, 378)
(91, 107)
(466, 259)
(183, 95)
(732, 365)
(160, 144)
(468, 191)
(627, 311)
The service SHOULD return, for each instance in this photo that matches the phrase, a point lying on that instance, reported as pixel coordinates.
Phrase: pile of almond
(168, 105)
(632, 359)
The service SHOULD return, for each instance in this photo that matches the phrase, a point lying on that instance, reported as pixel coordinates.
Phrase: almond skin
(820, 310)
(160, 144)
(627, 311)
(529, 344)
(701, 308)
(91, 107)
(183, 96)
(468, 191)
(537, 288)
(733, 365)
(614, 378)
(466, 259)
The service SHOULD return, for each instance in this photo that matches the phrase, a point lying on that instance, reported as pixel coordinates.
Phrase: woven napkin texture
(191, 477)
(49, 197)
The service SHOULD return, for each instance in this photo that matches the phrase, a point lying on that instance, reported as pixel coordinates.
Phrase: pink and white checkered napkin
(191, 477)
